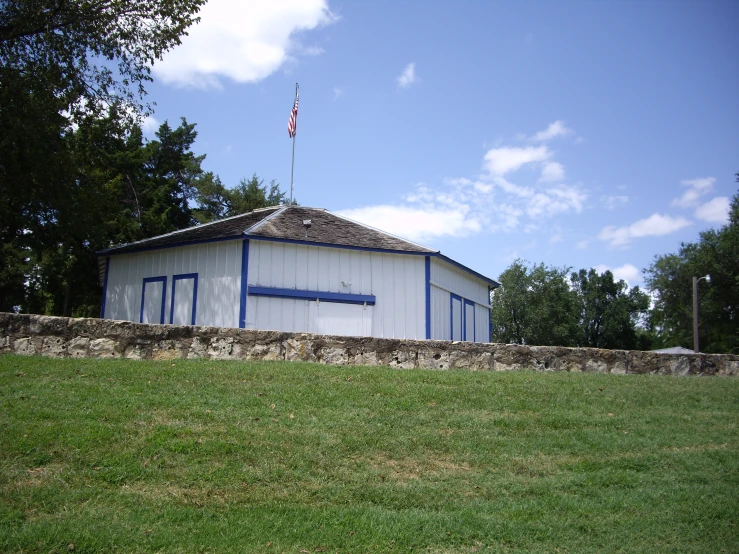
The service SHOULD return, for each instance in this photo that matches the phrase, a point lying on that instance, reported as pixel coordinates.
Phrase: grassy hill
(203, 456)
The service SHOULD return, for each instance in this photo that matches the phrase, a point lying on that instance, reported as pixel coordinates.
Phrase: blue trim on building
(452, 298)
(340, 297)
(464, 317)
(244, 281)
(163, 279)
(427, 265)
(183, 276)
(105, 287)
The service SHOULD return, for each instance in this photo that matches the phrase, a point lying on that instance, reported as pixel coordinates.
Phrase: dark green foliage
(534, 305)
(609, 311)
(62, 41)
(543, 306)
(215, 201)
(670, 278)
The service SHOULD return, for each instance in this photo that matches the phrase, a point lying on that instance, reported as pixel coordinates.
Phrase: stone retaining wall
(63, 337)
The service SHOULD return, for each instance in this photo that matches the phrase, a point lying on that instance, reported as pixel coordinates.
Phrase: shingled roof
(283, 223)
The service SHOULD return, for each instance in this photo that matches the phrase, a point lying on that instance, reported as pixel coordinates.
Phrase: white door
(334, 318)
(456, 317)
(152, 300)
(184, 293)
(469, 321)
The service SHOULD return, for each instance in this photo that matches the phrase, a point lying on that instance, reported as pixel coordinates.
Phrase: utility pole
(696, 347)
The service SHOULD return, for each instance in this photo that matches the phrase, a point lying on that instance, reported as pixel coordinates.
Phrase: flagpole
(292, 169)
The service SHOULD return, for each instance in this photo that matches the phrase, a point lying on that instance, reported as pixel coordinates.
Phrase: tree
(215, 201)
(63, 62)
(610, 312)
(669, 278)
(545, 306)
(534, 305)
(71, 45)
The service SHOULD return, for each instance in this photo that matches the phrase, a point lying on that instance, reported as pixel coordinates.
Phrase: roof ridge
(259, 223)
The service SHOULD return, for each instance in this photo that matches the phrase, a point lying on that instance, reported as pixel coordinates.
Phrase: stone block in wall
(403, 359)
(54, 347)
(299, 349)
(104, 348)
(78, 347)
(27, 346)
(198, 348)
(136, 351)
(166, 350)
(433, 358)
(512, 357)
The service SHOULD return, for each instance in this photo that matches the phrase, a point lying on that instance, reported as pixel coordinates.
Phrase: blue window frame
(163, 280)
(452, 298)
(471, 305)
(181, 277)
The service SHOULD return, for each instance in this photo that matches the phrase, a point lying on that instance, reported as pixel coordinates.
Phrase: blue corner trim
(163, 280)
(244, 281)
(452, 298)
(428, 297)
(340, 297)
(183, 276)
(105, 287)
(464, 318)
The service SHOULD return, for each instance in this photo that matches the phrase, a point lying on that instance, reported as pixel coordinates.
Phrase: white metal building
(290, 268)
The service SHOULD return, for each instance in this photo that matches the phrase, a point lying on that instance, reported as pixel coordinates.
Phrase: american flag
(292, 123)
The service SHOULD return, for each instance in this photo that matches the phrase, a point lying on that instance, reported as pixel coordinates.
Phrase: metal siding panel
(459, 282)
(278, 265)
(324, 258)
(302, 270)
(334, 271)
(289, 276)
(376, 271)
(365, 270)
(410, 316)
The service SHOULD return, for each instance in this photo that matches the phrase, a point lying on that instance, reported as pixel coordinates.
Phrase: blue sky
(583, 134)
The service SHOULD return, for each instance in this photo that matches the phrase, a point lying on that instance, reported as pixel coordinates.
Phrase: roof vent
(307, 224)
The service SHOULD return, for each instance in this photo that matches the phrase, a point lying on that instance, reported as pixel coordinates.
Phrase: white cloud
(499, 161)
(654, 225)
(714, 211)
(150, 125)
(242, 41)
(337, 92)
(583, 244)
(490, 203)
(552, 171)
(408, 77)
(613, 202)
(415, 223)
(626, 272)
(556, 129)
(696, 188)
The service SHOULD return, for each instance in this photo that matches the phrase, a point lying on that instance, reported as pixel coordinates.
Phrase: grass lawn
(204, 456)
